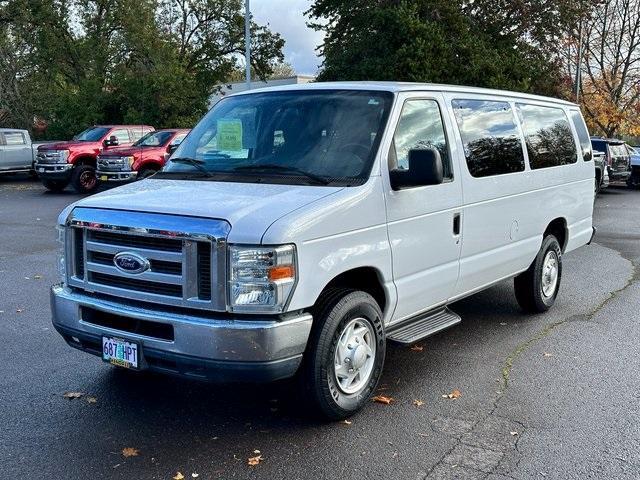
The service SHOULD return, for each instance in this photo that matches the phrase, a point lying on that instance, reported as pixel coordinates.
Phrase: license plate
(103, 178)
(41, 169)
(120, 352)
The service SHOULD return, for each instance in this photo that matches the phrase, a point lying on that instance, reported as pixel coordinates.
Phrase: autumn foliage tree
(610, 90)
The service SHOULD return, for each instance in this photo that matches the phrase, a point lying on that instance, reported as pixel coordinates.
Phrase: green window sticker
(229, 135)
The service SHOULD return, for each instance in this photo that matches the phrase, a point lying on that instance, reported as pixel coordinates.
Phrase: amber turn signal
(281, 272)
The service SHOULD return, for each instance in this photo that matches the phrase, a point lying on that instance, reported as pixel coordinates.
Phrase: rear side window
(490, 137)
(14, 138)
(599, 146)
(548, 136)
(420, 127)
(121, 135)
(583, 134)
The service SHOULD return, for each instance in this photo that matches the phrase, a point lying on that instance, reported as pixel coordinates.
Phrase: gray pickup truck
(17, 152)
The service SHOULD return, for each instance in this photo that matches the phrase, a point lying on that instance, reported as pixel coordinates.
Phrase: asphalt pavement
(553, 396)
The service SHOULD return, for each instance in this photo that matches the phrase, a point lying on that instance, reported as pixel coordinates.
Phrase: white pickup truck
(17, 151)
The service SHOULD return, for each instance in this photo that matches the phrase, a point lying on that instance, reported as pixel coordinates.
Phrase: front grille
(126, 240)
(136, 285)
(183, 268)
(204, 272)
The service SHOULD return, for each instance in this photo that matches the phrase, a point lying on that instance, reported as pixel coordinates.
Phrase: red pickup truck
(140, 160)
(58, 164)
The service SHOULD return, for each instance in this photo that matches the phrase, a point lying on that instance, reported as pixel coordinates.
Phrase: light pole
(247, 43)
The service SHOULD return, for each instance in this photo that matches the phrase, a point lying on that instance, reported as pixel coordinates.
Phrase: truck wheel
(83, 179)
(345, 353)
(537, 288)
(146, 173)
(55, 185)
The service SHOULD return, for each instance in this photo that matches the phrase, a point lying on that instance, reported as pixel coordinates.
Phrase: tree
(112, 61)
(610, 91)
(488, 43)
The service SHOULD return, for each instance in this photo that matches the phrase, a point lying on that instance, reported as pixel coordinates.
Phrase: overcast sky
(287, 18)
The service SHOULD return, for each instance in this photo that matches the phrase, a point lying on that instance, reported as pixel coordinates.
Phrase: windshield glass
(294, 137)
(92, 134)
(154, 139)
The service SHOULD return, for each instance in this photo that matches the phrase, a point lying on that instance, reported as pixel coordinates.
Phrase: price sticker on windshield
(229, 135)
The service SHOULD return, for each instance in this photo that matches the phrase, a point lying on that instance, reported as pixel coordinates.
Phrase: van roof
(404, 87)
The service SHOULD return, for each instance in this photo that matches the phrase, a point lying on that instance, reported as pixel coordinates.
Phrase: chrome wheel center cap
(358, 357)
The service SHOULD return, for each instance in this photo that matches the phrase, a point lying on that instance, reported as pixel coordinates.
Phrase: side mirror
(425, 168)
(172, 148)
(112, 141)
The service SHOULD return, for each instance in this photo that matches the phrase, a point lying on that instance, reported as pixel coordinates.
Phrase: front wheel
(83, 179)
(537, 288)
(55, 185)
(345, 353)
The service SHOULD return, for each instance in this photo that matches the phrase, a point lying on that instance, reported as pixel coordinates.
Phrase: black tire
(530, 285)
(83, 179)
(146, 173)
(335, 311)
(55, 185)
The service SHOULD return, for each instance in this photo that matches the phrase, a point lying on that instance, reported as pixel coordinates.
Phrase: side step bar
(420, 327)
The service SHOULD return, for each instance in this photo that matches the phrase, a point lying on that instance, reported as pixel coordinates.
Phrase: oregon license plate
(103, 178)
(41, 169)
(120, 352)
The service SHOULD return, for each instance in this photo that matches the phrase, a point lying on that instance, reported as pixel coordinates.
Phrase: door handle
(456, 224)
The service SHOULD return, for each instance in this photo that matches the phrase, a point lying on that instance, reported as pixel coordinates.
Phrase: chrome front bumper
(57, 169)
(204, 347)
(115, 176)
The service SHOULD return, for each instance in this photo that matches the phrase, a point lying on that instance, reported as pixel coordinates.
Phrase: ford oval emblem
(129, 262)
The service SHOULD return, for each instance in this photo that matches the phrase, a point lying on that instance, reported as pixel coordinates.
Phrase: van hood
(250, 208)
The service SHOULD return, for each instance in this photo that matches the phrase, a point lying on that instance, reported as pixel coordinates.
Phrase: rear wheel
(345, 353)
(55, 185)
(83, 179)
(537, 288)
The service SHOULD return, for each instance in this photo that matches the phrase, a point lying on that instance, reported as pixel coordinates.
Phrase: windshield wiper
(194, 162)
(284, 169)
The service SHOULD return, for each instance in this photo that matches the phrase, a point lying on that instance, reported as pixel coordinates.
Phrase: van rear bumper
(205, 348)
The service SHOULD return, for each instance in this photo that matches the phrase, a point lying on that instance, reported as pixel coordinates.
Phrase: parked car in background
(634, 178)
(602, 174)
(61, 163)
(617, 157)
(140, 160)
(17, 151)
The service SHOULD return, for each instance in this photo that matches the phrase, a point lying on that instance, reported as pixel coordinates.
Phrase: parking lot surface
(541, 396)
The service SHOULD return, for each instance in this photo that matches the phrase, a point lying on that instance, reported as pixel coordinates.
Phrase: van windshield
(321, 137)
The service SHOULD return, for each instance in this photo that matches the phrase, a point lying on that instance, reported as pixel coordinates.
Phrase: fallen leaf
(92, 400)
(347, 422)
(72, 395)
(418, 403)
(417, 348)
(453, 395)
(514, 433)
(256, 451)
(179, 476)
(253, 461)
(547, 354)
(130, 452)
(382, 399)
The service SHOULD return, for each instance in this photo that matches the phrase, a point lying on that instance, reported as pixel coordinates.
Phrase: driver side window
(420, 127)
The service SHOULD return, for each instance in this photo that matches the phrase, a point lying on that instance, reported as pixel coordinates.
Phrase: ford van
(297, 230)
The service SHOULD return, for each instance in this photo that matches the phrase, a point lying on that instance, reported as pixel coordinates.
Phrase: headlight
(61, 261)
(261, 279)
(128, 160)
(62, 155)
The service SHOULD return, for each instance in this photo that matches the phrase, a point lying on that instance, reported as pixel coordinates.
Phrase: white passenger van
(298, 229)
